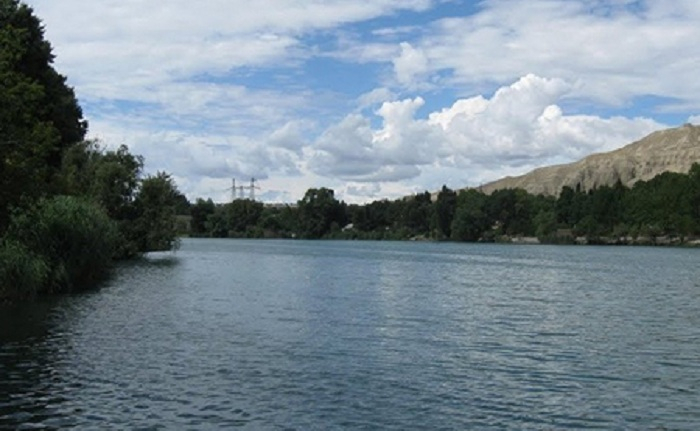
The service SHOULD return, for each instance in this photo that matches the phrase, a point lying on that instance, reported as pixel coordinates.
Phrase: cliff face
(672, 150)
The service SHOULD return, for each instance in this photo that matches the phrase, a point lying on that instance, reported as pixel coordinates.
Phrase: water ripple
(331, 335)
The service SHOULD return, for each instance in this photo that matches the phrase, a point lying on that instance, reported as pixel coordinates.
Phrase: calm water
(362, 335)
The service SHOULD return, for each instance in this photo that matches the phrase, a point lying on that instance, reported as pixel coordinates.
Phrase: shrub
(22, 273)
(75, 238)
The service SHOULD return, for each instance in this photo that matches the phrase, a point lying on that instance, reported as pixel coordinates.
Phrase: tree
(217, 224)
(545, 223)
(510, 209)
(319, 210)
(417, 213)
(110, 177)
(39, 114)
(470, 220)
(200, 211)
(31, 57)
(242, 216)
(154, 204)
(445, 207)
(143, 208)
(182, 205)
(74, 206)
(694, 196)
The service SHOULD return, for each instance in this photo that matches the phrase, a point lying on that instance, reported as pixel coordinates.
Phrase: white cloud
(351, 150)
(613, 51)
(519, 128)
(374, 97)
(474, 140)
(411, 64)
(168, 80)
(290, 136)
(139, 40)
(345, 150)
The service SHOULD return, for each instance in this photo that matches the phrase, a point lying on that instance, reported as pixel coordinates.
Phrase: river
(297, 335)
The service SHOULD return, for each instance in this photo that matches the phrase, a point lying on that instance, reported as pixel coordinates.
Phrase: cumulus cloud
(352, 150)
(411, 64)
(172, 83)
(345, 150)
(522, 123)
(519, 127)
(290, 136)
(374, 97)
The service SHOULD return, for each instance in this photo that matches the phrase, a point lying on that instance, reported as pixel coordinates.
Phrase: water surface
(301, 335)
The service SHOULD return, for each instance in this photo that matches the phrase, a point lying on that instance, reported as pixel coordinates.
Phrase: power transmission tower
(238, 192)
(252, 188)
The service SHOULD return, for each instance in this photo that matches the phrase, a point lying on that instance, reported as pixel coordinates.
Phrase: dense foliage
(67, 206)
(39, 114)
(71, 239)
(666, 206)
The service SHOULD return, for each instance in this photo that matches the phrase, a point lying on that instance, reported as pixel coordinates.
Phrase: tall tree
(201, 211)
(155, 209)
(319, 211)
(445, 206)
(417, 213)
(39, 114)
(470, 220)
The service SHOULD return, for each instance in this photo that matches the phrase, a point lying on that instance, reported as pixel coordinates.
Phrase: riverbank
(663, 240)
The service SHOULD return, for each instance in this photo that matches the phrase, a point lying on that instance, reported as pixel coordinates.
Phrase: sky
(373, 99)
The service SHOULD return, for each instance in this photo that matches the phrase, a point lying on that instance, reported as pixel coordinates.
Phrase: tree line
(666, 206)
(68, 207)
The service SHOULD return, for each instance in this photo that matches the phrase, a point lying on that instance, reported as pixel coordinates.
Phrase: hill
(671, 150)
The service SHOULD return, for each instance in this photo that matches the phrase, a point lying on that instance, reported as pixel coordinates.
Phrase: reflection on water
(362, 335)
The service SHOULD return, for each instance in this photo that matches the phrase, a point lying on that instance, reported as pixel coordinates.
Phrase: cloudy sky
(375, 99)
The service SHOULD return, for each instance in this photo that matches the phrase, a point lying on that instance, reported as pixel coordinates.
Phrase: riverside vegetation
(667, 206)
(68, 207)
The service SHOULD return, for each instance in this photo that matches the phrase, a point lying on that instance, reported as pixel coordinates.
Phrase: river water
(295, 335)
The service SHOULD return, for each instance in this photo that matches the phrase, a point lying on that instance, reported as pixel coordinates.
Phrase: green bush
(75, 238)
(22, 273)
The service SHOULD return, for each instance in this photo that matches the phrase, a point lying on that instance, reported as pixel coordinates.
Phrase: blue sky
(373, 99)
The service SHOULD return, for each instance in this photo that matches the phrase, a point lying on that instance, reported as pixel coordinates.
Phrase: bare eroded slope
(671, 150)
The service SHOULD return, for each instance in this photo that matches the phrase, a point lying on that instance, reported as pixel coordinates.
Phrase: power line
(238, 192)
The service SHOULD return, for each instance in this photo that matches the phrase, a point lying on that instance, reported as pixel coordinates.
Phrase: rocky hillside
(672, 150)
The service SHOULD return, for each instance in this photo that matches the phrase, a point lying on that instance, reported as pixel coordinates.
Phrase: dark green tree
(510, 211)
(416, 214)
(545, 223)
(471, 219)
(200, 211)
(319, 211)
(445, 206)
(154, 205)
(217, 223)
(182, 205)
(242, 217)
(694, 197)
(39, 114)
